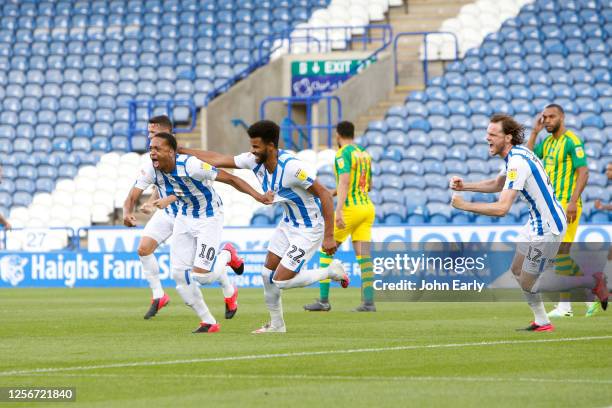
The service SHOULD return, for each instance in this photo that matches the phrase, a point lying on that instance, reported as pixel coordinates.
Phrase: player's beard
(261, 157)
(554, 128)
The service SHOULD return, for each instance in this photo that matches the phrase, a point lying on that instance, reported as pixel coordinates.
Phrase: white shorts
(540, 251)
(159, 226)
(195, 242)
(295, 246)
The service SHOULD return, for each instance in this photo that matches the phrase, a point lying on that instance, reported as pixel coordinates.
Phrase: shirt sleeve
(538, 150)
(343, 162)
(245, 161)
(200, 170)
(517, 173)
(577, 153)
(145, 177)
(297, 174)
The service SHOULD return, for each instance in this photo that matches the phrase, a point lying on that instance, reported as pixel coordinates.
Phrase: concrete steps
(192, 139)
(422, 15)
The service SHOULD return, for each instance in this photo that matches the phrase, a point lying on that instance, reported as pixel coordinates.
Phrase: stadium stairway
(422, 15)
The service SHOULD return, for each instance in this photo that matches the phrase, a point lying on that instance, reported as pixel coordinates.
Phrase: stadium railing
(323, 37)
(308, 101)
(425, 34)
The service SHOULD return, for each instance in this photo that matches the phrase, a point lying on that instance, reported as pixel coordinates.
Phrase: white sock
(551, 282)
(564, 306)
(150, 268)
(608, 272)
(303, 279)
(220, 270)
(218, 274)
(272, 296)
(534, 300)
(192, 295)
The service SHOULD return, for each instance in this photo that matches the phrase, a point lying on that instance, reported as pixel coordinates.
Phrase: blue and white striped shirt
(290, 181)
(524, 172)
(191, 182)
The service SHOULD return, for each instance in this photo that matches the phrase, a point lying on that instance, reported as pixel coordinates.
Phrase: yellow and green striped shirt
(561, 158)
(353, 159)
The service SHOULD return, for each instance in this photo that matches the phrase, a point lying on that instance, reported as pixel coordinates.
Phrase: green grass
(85, 327)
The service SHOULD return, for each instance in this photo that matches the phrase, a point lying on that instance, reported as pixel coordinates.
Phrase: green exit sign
(328, 67)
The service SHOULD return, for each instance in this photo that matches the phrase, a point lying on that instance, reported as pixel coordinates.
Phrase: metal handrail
(308, 101)
(264, 55)
(425, 62)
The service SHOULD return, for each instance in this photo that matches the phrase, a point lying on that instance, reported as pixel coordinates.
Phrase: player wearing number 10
(355, 215)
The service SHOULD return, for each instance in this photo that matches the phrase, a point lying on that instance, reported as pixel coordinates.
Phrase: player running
(565, 163)
(156, 231)
(307, 223)
(540, 238)
(354, 216)
(186, 182)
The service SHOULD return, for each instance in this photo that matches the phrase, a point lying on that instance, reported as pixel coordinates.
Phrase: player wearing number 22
(308, 221)
(195, 255)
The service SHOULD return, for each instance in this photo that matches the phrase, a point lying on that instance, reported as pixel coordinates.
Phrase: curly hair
(510, 127)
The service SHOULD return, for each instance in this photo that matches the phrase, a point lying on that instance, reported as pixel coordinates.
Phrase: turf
(63, 328)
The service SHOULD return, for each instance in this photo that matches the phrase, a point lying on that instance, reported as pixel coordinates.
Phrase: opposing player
(540, 239)
(307, 223)
(354, 215)
(562, 154)
(194, 251)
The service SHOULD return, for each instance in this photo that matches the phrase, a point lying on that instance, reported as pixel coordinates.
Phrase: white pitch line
(307, 377)
(297, 354)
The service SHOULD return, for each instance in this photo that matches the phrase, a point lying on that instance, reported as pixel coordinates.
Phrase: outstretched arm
(244, 187)
(213, 158)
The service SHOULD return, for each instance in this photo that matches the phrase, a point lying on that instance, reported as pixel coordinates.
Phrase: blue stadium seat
(478, 107)
(22, 199)
(392, 195)
(393, 213)
(434, 166)
(438, 195)
(437, 108)
(411, 167)
(440, 123)
(457, 167)
(414, 197)
(480, 121)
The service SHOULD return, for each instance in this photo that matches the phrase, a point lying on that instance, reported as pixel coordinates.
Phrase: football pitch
(406, 354)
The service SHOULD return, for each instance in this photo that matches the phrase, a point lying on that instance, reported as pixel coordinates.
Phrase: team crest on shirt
(580, 152)
(301, 175)
(340, 162)
(512, 174)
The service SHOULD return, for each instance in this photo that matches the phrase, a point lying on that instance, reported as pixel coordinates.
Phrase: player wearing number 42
(308, 221)
(539, 241)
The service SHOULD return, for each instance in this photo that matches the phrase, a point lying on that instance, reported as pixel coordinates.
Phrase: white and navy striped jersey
(290, 182)
(524, 172)
(191, 182)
